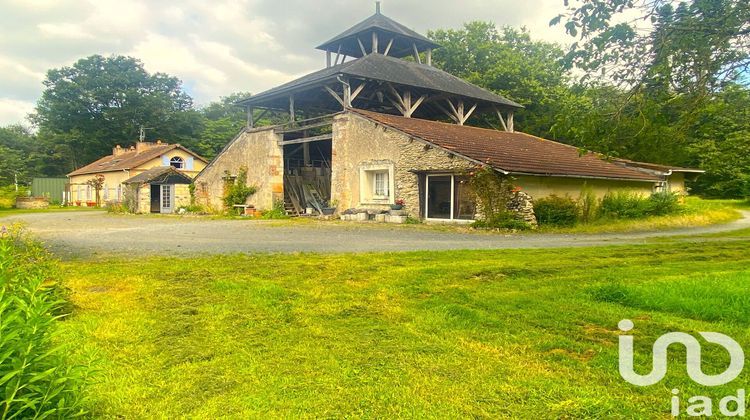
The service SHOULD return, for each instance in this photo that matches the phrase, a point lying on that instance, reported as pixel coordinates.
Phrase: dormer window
(177, 162)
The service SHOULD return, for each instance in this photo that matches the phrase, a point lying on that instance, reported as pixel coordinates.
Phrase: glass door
(166, 198)
(439, 196)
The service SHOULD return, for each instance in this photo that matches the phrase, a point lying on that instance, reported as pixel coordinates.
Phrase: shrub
(238, 191)
(557, 211)
(35, 377)
(624, 205)
(493, 192)
(664, 203)
(588, 205)
(117, 208)
(277, 212)
(504, 220)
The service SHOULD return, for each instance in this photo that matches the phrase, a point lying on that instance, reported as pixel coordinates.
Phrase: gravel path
(71, 234)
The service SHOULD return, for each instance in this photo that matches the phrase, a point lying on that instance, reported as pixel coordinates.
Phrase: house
(372, 128)
(125, 166)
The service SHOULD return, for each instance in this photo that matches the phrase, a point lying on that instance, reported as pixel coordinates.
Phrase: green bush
(277, 212)
(504, 220)
(630, 205)
(557, 211)
(624, 205)
(238, 191)
(664, 203)
(35, 377)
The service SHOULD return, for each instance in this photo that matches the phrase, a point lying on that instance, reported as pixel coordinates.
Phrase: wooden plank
(416, 53)
(303, 127)
(361, 47)
(357, 91)
(328, 136)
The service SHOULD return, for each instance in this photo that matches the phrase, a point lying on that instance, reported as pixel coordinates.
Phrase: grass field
(530, 334)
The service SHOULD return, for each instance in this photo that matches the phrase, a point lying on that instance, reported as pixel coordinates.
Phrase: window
(106, 192)
(381, 184)
(376, 184)
(119, 192)
(177, 162)
(88, 192)
(449, 197)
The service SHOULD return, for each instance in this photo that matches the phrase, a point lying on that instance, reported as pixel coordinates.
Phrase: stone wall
(181, 197)
(32, 202)
(258, 151)
(359, 142)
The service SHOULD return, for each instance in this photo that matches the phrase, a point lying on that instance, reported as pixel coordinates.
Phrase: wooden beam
(502, 120)
(468, 114)
(338, 54)
(328, 59)
(416, 104)
(335, 95)
(428, 56)
(250, 122)
(361, 47)
(357, 91)
(374, 42)
(388, 48)
(448, 113)
(328, 136)
(394, 92)
(416, 53)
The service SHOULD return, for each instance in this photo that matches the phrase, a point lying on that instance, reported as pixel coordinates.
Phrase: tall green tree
(103, 101)
(507, 61)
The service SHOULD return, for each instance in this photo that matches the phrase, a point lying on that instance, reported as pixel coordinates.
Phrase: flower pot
(396, 206)
(78, 203)
(327, 211)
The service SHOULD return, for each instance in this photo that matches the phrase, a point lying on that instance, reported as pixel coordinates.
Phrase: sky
(216, 47)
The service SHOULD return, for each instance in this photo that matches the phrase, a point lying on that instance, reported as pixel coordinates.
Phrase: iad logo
(701, 406)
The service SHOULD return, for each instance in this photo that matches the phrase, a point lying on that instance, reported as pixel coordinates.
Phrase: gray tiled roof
(388, 69)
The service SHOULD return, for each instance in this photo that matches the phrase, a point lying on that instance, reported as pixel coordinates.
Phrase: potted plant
(398, 205)
(78, 203)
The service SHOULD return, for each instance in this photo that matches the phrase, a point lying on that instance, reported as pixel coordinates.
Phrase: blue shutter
(165, 160)
(189, 163)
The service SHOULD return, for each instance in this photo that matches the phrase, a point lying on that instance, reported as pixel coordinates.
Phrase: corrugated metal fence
(54, 188)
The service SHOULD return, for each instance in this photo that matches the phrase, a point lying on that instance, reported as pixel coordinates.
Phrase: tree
(103, 101)
(692, 47)
(97, 183)
(222, 120)
(509, 62)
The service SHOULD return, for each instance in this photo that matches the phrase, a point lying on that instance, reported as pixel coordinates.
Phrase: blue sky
(216, 47)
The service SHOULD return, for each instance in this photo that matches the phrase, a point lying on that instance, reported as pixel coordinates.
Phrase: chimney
(377, 7)
(117, 150)
(142, 146)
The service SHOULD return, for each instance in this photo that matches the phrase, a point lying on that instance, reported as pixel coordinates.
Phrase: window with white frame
(380, 187)
(376, 184)
(177, 162)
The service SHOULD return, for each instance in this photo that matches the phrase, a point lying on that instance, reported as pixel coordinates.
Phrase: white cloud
(216, 47)
(13, 111)
(64, 30)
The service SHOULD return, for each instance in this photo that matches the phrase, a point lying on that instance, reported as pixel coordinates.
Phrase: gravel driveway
(86, 233)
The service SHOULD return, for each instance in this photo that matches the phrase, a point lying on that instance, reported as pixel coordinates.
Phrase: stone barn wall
(259, 152)
(359, 142)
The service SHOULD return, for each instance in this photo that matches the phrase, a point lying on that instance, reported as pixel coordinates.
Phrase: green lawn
(526, 333)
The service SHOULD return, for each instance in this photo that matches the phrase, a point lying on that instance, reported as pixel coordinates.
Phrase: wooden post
(306, 152)
(374, 42)
(416, 53)
(347, 94)
(361, 47)
(510, 121)
(328, 59)
(291, 108)
(428, 56)
(250, 121)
